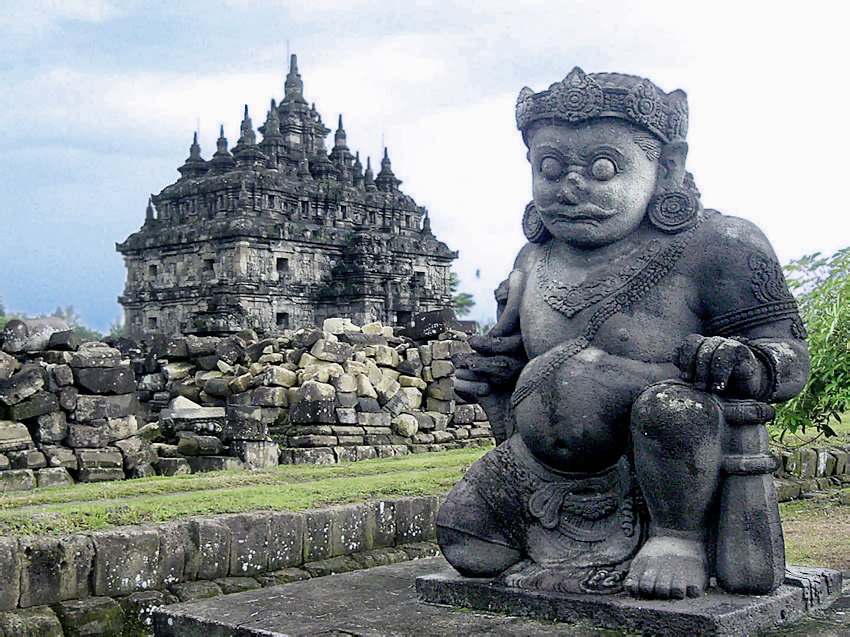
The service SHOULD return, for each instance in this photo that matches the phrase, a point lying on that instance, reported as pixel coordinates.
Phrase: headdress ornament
(580, 97)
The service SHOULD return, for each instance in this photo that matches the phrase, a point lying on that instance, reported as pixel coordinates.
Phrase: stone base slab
(716, 613)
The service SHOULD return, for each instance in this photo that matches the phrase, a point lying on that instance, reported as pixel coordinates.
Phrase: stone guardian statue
(641, 340)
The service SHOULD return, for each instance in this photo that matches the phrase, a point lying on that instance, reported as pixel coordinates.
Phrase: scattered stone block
(53, 477)
(38, 620)
(8, 364)
(405, 425)
(283, 576)
(249, 545)
(256, 454)
(26, 459)
(60, 457)
(90, 408)
(90, 356)
(41, 402)
(315, 411)
(22, 385)
(17, 480)
(14, 436)
(203, 464)
(51, 427)
(114, 380)
(192, 444)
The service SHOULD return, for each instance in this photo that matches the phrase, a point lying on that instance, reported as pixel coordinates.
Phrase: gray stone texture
(54, 569)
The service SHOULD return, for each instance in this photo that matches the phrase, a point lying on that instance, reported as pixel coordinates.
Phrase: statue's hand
(721, 365)
(496, 363)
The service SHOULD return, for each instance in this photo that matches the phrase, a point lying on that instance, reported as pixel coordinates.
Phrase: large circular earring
(532, 225)
(674, 211)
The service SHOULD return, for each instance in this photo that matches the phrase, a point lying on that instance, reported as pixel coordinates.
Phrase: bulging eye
(603, 169)
(551, 168)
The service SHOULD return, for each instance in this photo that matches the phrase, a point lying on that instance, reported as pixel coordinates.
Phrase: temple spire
(194, 166)
(293, 86)
(386, 180)
(222, 161)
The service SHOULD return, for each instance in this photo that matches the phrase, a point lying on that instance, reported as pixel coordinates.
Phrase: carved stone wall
(279, 234)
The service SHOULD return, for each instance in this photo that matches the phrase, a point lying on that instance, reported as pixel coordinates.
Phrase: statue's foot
(669, 568)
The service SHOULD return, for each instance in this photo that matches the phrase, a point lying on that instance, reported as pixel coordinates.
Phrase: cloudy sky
(99, 100)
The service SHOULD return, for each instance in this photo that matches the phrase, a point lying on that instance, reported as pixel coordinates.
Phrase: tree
(117, 329)
(821, 286)
(75, 322)
(463, 301)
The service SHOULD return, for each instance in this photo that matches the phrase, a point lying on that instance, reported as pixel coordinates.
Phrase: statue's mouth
(579, 213)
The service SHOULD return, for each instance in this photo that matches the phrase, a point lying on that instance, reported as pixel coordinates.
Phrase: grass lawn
(90, 507)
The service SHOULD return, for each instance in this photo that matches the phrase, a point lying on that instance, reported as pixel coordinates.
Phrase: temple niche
(281, 234)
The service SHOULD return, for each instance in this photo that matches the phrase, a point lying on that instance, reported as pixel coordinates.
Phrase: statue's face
(592, 182)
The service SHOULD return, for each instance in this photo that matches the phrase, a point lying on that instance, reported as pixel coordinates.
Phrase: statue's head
(604, 148)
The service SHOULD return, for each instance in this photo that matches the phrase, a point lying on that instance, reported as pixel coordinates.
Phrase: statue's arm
(753, 343)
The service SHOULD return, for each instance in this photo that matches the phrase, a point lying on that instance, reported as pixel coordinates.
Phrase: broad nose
(573, 187)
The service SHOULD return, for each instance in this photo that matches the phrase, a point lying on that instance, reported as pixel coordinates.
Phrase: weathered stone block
(7, 365)
(17, 480)
(176, 549)
(203, 464)
(54, 569)
(60, 457)
(14, 436)
(312, 455)
(192, 444)
(150, 382)
(405, 425)
(90, 408)
(110, 380)
(346, 415)
(136, 451)
(331, 351)
(126, 560)
(68, 398)
(51, 427)
(88, 356)
(311, 440)
(340, 564)
(256, 454)
(39, 403)
(139, 607)
(315, 411)
(97, 458)
(249, 545)
(90, 616)
(26, 459)
(211, 558)
(442, 389)
(200, 345)
(270, 397)
(445, 407)
(39, 620)
(188, 591)
(10, 567)
(22, 385)
(365, 452)
(62, 375)
(397, 403)
(286, 537)
(53, 477)
(416, 519)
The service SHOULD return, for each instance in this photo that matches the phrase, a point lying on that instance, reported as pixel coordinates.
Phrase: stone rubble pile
(68, 411)
(87, 412)
(337, 394)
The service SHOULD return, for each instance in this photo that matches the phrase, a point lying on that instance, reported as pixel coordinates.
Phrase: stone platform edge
(114, 579)
(716, 613)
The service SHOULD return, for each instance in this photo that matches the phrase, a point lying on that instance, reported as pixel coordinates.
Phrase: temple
(281, 234)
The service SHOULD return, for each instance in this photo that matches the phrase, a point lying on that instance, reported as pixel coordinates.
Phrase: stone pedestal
(716, 613)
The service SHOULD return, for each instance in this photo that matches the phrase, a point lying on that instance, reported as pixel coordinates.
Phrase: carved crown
(580, 97)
